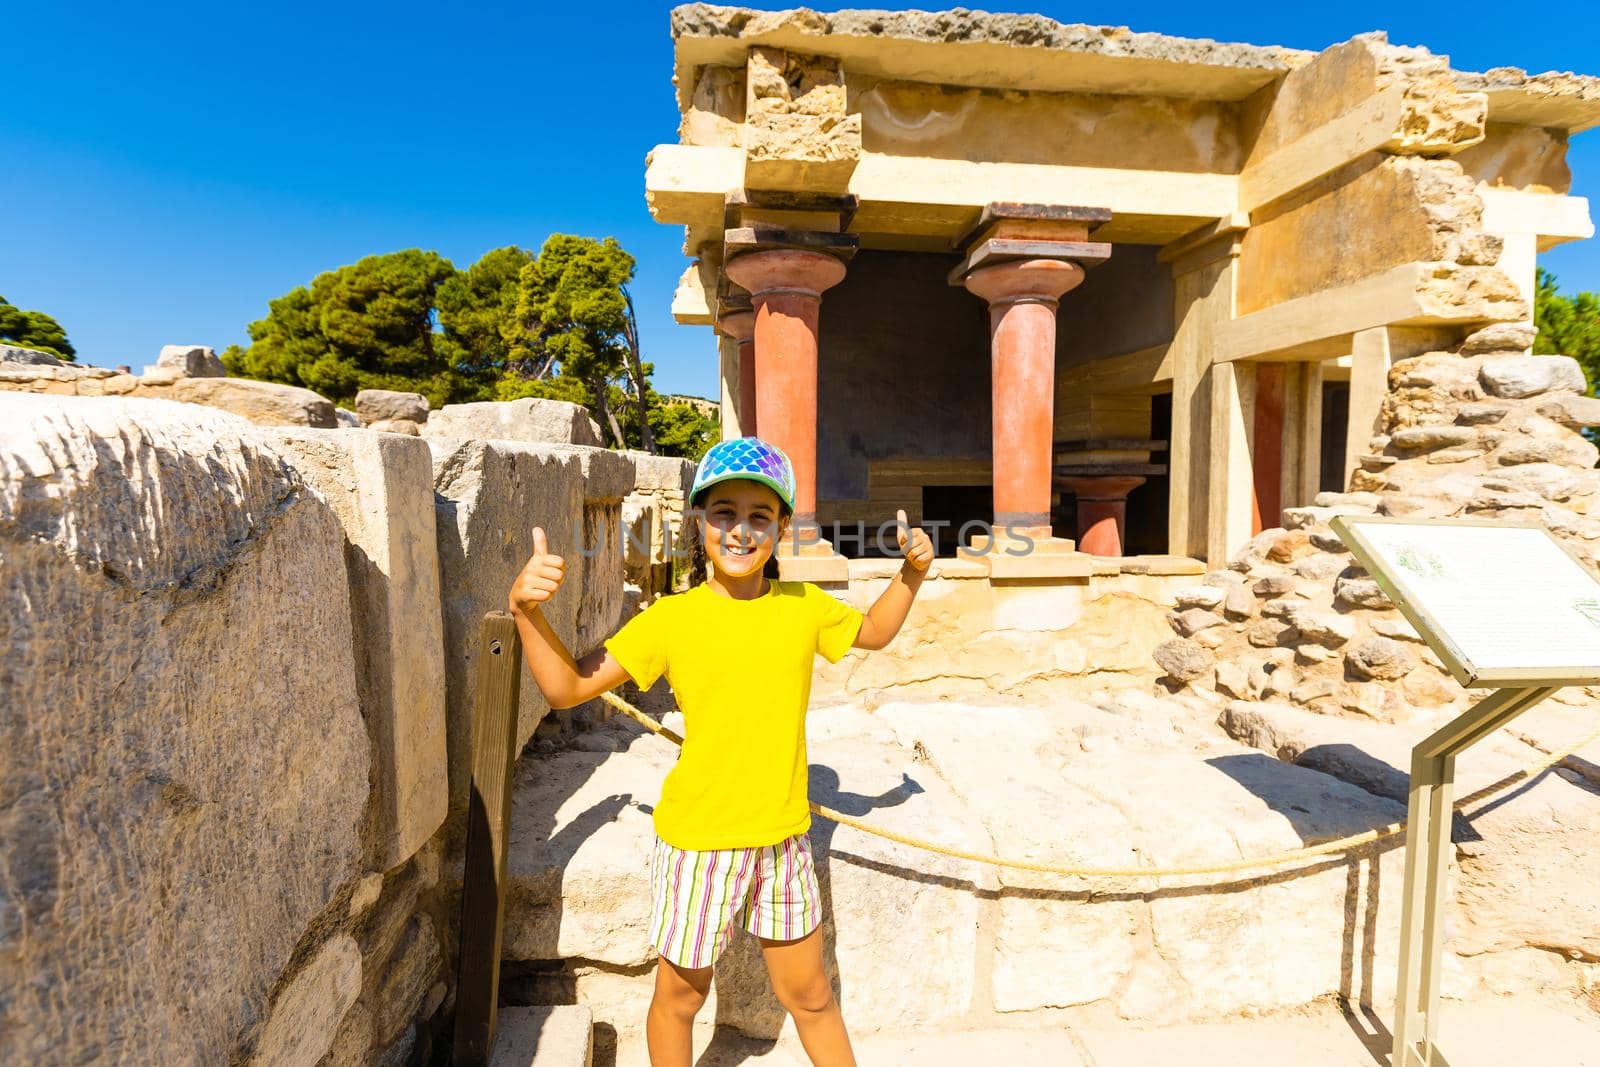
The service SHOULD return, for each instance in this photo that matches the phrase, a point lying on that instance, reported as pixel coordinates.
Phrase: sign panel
(1501, 603)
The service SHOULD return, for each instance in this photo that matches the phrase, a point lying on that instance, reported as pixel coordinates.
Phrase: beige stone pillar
(1204, 277)
(1231, 507)
(728, 375)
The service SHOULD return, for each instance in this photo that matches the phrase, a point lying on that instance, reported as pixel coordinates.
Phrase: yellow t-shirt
(741, 672)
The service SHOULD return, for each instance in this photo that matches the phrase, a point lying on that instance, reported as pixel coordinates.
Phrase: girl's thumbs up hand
(541, 576)
(915, 545)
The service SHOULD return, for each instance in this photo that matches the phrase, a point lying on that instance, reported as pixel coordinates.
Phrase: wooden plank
(1323, 150)
(483, 896)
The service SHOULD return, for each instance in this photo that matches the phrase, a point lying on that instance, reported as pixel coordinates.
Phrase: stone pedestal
(1102, 510)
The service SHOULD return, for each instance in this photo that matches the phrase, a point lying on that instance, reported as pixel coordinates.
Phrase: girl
(737, 647)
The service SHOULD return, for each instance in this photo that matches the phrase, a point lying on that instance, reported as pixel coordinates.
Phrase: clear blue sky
(166, 169)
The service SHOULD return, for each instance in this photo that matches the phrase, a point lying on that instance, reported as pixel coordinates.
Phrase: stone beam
(1383, 122)
(1554, 219)
(692, 300)
(1319, 326)
(1149, 370)
(902, 195)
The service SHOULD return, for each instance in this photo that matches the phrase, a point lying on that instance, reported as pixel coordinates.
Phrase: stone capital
(738, 325)
(785, 270)
(1024, 281)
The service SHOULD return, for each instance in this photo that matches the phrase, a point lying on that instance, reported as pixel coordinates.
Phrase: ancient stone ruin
(1164, 306)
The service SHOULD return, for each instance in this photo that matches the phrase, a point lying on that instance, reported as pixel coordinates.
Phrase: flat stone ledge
(560, 1035)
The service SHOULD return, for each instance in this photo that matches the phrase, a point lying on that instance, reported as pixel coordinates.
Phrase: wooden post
(483, 898)
(1310, 469)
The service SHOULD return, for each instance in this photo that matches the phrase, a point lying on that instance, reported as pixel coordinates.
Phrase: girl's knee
(810, 997)
(679, 993)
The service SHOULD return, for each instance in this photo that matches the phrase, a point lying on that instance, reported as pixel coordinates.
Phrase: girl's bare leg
(802, 988)
(669, 1028)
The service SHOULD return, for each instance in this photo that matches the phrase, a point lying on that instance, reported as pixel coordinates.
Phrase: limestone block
(379, 404)
(1573, 451)
(1574, 412)
(306, 1014)
(1184, 660)
(488, 497)
(1425, 438)
(1500, 337)
(381, 487)
(555, 1036)
(263, 403)
(347, 419)
(27, 357)
(667, 473)
(578, 857)
(798, 132)
(1379, 658)
(183, 767)
(399, 426)
(1515, 377)
(192, 361)
(527, 420)
(1207, 597)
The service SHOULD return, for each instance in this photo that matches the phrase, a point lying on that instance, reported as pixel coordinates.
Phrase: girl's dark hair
(697, 550)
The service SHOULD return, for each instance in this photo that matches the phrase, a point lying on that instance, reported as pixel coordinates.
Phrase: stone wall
(238, 666)
(1298, 652)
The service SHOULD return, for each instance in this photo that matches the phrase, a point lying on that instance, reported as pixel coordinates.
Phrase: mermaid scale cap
(746, 457)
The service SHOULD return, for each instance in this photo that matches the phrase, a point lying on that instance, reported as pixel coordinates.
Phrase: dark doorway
(954, 505)
(1335, 432)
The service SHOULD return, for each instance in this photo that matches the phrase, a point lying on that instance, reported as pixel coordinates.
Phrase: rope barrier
(1278, 859)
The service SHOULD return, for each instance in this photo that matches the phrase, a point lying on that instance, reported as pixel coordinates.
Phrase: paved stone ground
(1480, 1034)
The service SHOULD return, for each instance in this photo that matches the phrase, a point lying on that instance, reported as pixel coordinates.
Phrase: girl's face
(743, 525)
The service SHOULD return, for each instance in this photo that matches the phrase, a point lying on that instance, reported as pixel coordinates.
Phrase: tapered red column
(740, 326)
(1022, 297)
(786, 287)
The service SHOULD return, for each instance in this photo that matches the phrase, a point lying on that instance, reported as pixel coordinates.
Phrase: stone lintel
(1101, 444)
(824, 211)
(1076, 220)
(1107, 470)
(998, 250)
(761, 238)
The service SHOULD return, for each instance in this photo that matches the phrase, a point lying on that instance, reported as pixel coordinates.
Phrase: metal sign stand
(1428, 821)
(1433, 761)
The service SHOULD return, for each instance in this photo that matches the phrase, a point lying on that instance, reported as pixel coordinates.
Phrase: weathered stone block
(489, 495)
(30, 357)
(1184, 660)
(183, 766)
(307, 1012)
(529, 420)
(381, 487)
(374, 405)
(263, 403)
(1515, 377)
(192, 361)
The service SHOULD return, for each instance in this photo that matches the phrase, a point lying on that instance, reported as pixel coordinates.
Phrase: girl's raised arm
(888, 613)
(565, 682)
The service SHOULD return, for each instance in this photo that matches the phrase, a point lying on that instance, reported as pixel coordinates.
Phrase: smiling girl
(732, 846)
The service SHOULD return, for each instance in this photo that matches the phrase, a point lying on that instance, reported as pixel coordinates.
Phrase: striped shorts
(697, 897)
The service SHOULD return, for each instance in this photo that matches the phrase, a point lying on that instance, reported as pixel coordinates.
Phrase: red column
(1102, 511)
(741, 327)
(786, 287)
(1022, 297)
(1266, 450)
